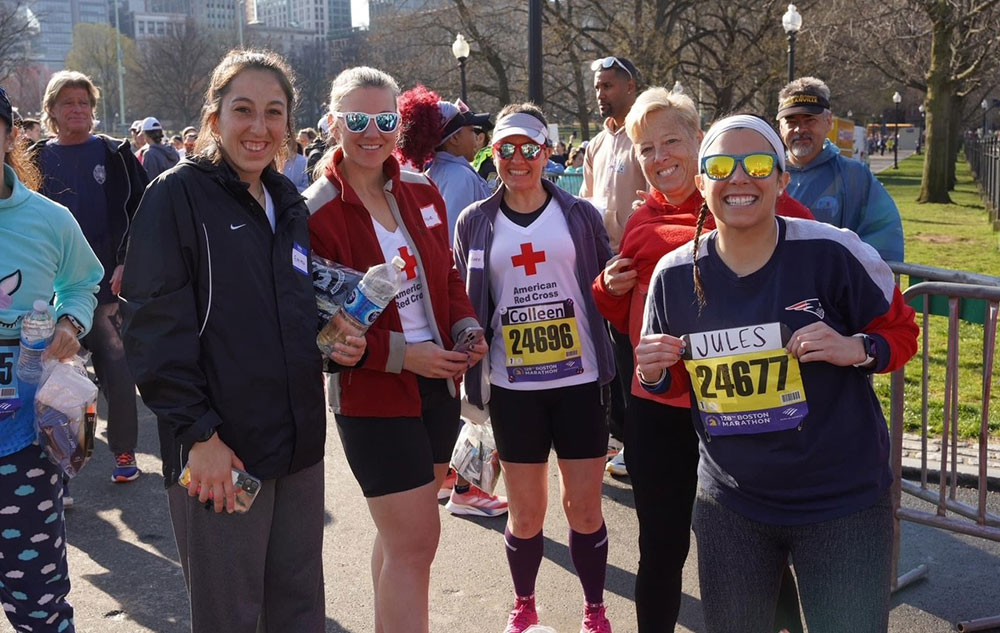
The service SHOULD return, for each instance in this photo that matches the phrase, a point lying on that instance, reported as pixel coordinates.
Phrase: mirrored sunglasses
(607, 62)
(721, 166)
(530, 151)
(357, 122)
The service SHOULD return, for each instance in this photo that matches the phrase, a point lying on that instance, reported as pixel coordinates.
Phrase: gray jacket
(474, 231)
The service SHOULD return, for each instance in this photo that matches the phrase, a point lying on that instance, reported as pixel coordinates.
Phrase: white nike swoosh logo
(233, 227)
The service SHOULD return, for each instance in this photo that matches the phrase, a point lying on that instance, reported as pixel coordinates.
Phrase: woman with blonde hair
(398, 411)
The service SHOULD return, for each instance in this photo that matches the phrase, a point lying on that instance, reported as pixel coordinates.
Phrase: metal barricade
(983, 156)
(956, 288)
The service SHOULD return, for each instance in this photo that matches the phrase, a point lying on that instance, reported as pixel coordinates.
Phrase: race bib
(744, 381)
(541, 341)
(10, 400)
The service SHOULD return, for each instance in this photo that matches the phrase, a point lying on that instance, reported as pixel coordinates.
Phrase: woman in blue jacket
(44, 254)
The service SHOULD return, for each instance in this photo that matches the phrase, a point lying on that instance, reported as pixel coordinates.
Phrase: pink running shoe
(522, 616)
(594, 619)
(475, 502)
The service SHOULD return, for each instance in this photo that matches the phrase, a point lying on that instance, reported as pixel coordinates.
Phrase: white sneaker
(617, 465)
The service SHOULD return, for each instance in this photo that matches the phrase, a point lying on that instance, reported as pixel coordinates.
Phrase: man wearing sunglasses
(611, 178)
(838, 190)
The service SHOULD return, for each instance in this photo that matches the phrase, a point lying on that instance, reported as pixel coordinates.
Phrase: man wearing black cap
(838, 190)
(451, 169)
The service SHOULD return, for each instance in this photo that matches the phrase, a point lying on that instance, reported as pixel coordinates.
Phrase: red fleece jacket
(341, 230)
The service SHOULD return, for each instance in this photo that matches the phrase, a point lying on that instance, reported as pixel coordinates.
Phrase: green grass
(956, 236)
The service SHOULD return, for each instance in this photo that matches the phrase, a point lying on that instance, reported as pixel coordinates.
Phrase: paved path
(126, 578)
(881, 163)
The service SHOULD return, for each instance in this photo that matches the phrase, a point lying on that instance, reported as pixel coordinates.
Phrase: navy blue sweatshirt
(836, 460)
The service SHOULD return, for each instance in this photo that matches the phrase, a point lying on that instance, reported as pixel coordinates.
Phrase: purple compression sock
(524, 555)
(590, 557)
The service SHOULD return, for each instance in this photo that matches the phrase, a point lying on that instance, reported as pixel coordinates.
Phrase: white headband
(518, 124)
(743, 121)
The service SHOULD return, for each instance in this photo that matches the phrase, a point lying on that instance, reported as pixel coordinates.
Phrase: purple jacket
(474, 232)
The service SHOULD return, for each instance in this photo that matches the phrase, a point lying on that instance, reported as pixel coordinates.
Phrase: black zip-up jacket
(220, 319)
(126, 180)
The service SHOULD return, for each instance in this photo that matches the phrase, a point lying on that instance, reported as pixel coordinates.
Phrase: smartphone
(467, 338)
(247, 486)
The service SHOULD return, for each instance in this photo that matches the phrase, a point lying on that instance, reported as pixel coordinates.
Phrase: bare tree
(943, 48)
(17, 26)
(95, 54)
(174, 71)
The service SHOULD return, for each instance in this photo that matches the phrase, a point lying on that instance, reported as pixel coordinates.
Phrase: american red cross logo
(411, 263)
(529, 259)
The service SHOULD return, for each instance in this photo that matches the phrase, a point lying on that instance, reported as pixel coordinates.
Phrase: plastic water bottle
(37, 328)
(366, 302)
(538, 628)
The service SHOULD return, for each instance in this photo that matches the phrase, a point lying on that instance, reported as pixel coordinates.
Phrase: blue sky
(359, 12)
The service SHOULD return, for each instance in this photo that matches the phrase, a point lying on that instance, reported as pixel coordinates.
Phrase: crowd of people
(714, 301)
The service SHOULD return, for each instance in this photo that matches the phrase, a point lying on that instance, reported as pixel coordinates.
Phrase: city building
(56, 19)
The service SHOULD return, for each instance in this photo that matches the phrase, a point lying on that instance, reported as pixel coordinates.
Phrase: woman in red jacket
(397, 410)
(662, 457)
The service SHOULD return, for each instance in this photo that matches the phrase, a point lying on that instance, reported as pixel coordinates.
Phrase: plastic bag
(475, 457)
(66, 414)
(332, 283)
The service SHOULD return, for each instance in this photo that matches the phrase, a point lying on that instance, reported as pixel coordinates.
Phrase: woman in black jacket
(220, 333)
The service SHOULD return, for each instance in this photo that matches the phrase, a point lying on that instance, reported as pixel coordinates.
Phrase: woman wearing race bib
(662, 457)
(780, 322)
(44, 254)
(398, 410)
(528, 253)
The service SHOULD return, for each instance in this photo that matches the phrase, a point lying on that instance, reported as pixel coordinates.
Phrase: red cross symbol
(411, 263)
(529, 259)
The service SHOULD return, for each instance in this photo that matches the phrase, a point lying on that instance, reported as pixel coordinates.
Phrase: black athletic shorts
(527, 424)
(390, 455)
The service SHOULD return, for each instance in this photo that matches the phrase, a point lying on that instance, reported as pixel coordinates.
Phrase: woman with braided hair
(662, 458)
(779, 322)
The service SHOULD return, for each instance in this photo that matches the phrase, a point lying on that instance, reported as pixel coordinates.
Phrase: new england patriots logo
(813, 306)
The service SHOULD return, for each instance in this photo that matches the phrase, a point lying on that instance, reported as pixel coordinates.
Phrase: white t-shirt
(410, 300)
(541, 335)
(268, 207)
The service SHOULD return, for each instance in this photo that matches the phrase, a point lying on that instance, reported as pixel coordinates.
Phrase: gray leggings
(842, 566)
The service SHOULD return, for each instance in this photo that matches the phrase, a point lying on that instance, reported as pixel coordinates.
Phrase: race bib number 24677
(744, 381)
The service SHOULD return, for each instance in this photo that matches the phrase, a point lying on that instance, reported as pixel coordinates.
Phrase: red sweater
(655, 229)
(341, 230)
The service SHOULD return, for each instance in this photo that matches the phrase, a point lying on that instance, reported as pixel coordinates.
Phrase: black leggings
(662, 461)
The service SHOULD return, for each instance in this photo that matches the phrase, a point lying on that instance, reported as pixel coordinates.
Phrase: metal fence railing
(958, 296)
(983, 156)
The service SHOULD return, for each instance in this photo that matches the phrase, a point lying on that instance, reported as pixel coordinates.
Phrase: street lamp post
(460, 49)
(985, 106)
(920, 137)
(792, 22)
(896, 99)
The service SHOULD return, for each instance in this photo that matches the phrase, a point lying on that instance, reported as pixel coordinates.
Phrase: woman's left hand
(477, 351)
(64, 343)
(819, 342)
(350, 351)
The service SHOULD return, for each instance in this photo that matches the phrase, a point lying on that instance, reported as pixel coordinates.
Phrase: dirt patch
(937, 238)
